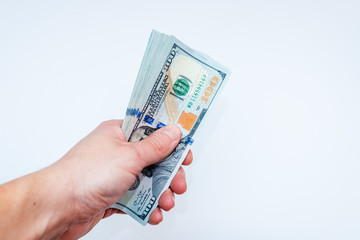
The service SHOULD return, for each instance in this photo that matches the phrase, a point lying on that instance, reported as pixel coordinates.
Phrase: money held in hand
(175, 85)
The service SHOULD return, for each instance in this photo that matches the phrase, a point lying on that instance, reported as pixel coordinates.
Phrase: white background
(278, 156)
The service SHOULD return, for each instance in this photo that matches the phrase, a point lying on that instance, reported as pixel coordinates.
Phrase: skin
(68, 198)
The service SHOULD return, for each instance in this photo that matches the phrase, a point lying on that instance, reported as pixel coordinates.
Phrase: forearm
(30, 207)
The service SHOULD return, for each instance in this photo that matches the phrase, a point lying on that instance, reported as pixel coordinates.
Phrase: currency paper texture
(175, 85)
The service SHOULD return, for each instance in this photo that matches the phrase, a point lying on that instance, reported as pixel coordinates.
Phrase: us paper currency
(175, 85)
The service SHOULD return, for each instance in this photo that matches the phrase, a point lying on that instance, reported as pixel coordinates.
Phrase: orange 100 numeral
(208, 91)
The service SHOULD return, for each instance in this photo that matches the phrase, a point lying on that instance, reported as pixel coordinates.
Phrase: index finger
(188, 159)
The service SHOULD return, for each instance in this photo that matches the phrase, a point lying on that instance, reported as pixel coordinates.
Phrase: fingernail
(172, 131)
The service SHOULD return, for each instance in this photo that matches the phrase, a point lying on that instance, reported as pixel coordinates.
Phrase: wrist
(33, 207)
(55, 203)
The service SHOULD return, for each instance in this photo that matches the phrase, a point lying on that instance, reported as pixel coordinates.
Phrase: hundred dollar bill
(175, 85)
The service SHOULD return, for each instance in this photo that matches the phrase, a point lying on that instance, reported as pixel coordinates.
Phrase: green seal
(181, 87)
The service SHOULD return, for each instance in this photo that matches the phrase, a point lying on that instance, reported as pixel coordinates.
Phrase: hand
(79, 189)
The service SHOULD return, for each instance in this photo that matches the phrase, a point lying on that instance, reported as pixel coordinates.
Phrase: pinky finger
(156, 217)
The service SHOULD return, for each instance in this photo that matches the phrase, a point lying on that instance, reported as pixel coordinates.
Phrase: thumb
(158, 145)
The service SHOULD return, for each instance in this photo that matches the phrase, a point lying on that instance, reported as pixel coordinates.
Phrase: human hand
(99, 170)
(68, 198)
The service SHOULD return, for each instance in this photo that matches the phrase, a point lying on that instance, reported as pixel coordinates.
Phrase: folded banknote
(175, 85)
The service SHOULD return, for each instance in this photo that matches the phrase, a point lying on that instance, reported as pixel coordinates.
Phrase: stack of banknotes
(175, 85)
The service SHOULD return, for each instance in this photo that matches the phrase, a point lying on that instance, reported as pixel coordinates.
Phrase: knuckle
(109, 123)
(136, 153)
(105, 123)
(159, 144)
